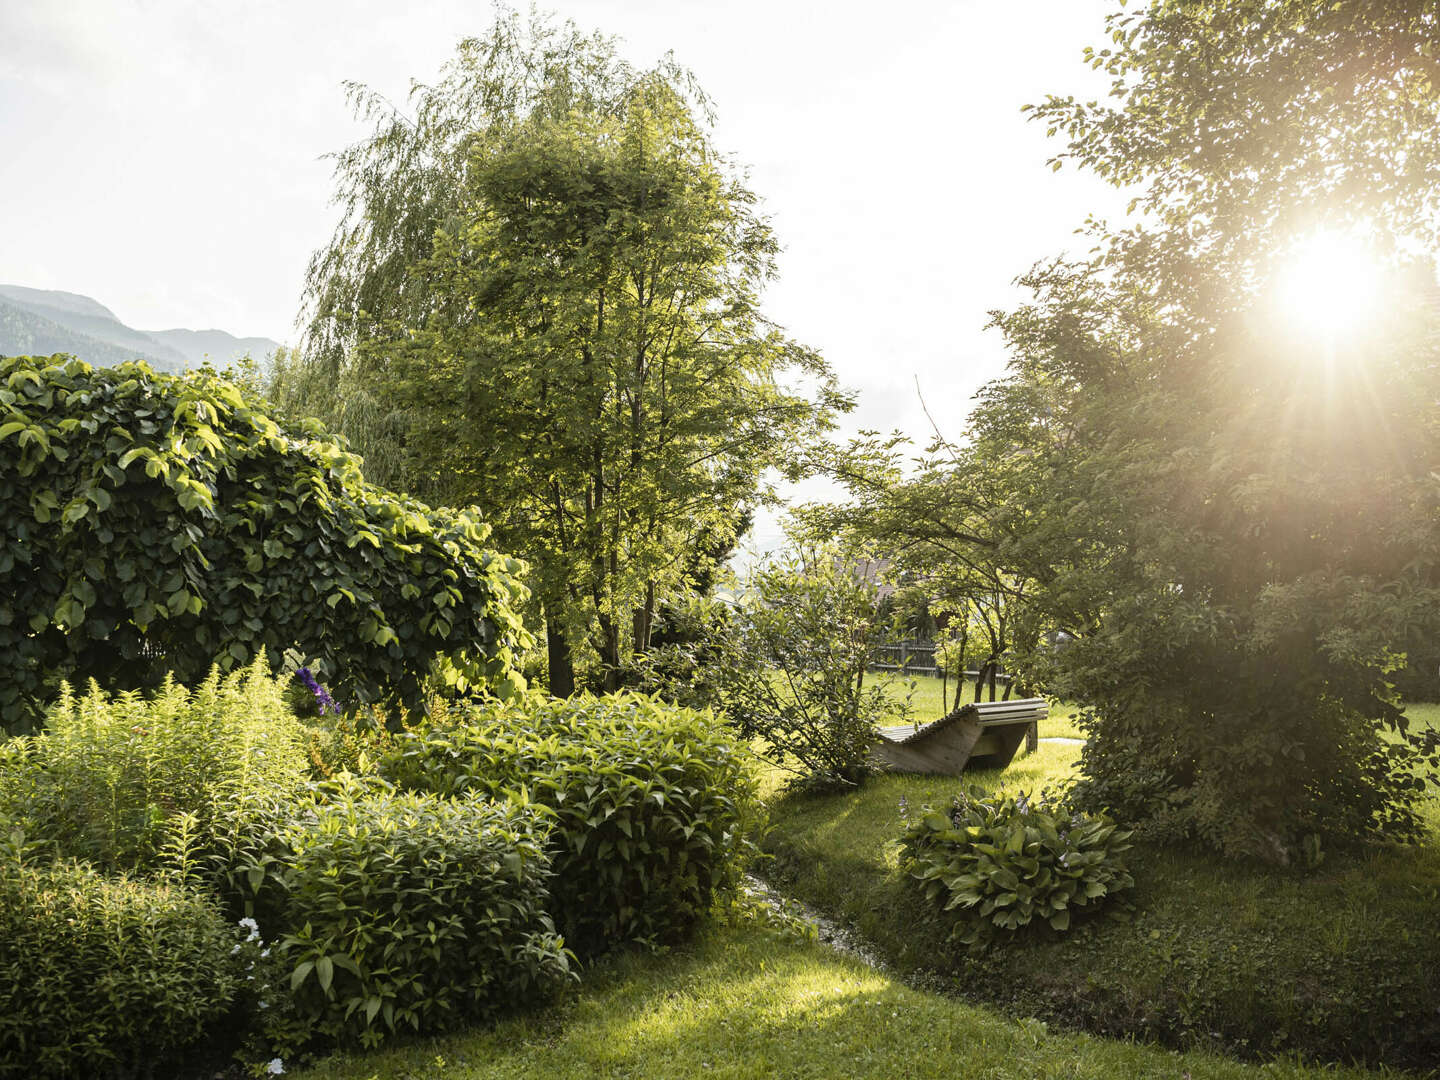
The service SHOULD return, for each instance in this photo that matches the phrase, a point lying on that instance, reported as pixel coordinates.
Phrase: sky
(166, 157)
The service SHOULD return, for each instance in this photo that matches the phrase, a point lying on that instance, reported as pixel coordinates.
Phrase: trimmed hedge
(394, 910)
(104, 976)
(653, 803)
(153, 523)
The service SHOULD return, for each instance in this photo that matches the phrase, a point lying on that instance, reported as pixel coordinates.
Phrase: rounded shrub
(396, 910)
(653, 803)
(1006, 863)
(105, 976)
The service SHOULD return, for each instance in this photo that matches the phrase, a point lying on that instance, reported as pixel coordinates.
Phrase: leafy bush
(153, 523)
(1007, 863)
(652, 803)
(103, 976)
(791, 666)
(113, 779)
(397, 910)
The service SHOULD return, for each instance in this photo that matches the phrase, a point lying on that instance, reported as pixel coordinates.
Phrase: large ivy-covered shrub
(105, 976)
(153, 523)
(394, 911)
(652, 803)
(122, 780)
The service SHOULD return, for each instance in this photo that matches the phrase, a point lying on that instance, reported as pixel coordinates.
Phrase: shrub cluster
(1006, 862)
(116, 780)
(652, 803)
(398, 909)
(104, 976)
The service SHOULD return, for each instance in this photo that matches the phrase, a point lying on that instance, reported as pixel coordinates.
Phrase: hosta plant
(1009, 863)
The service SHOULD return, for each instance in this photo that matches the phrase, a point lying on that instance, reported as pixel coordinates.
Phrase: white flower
(276, 1067)
(264, 953)
(235, 950)
(252, 926)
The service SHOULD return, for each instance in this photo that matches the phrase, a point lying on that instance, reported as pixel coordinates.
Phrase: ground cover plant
(742, 1004)
(1007, 863)
(152, 523)
(1335, 963)
(653, 804)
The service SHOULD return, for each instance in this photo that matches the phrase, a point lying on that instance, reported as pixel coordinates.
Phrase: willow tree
(543, 299)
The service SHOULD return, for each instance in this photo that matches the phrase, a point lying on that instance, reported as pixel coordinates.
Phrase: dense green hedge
(153, 523)
(105, 976)
(652, 803)
(397, 910)
(121, 780)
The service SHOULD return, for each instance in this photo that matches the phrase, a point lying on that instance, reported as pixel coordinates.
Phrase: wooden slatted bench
(985, 735)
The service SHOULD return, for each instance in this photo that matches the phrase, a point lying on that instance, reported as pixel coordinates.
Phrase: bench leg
(1032, 737)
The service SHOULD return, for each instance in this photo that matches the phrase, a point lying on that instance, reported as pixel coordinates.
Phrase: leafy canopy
(543, 297)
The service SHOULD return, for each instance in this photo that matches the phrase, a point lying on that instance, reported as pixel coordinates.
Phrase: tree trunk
(562, 666)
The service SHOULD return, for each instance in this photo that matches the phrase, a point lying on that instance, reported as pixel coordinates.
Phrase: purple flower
(321, 694)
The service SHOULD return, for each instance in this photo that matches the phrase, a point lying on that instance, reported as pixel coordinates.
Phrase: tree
(543, 298)
(1235, 520)
(154, 524)
(789, 667)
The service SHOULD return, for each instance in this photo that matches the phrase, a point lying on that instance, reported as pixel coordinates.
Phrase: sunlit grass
(743, 1004)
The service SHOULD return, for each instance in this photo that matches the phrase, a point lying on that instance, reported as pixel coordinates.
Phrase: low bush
(1007, 863)
(104, 976)
(653, 803)
(394, 910)
(113, 777)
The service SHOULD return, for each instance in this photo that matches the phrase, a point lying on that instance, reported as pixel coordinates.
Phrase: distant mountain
(41, 321)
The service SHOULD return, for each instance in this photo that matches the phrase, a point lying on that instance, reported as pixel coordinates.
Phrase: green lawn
(743, 1003)
(1341, 962)
(927, 702)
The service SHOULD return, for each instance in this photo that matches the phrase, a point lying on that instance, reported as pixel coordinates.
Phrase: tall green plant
(114, 779)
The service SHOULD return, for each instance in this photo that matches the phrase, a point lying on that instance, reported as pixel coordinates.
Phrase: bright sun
(1330, 287)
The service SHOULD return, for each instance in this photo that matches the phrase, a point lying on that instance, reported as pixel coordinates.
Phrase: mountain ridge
(45, 321)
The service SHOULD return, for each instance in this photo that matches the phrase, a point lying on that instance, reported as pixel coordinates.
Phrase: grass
(1342, 963)
(929, 700)
(744, 1003)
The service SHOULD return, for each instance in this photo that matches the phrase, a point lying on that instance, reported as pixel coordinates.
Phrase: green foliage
(104, 976)
(652, 804)
(115, 779)
(544, 296)
(398, 911)
(790, 667)
(1334, 964)
(1009, 863)
(154, 523)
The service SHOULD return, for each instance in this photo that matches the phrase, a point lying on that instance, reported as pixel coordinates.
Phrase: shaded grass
(741, 1003)
(1340, 964)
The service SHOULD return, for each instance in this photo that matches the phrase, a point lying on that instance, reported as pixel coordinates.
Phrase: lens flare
(1330, 287)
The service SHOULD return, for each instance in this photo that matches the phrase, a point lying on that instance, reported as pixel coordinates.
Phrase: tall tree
(1233, 515)
(543, 299)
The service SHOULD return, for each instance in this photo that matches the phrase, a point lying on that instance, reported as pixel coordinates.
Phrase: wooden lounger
(984, 735)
